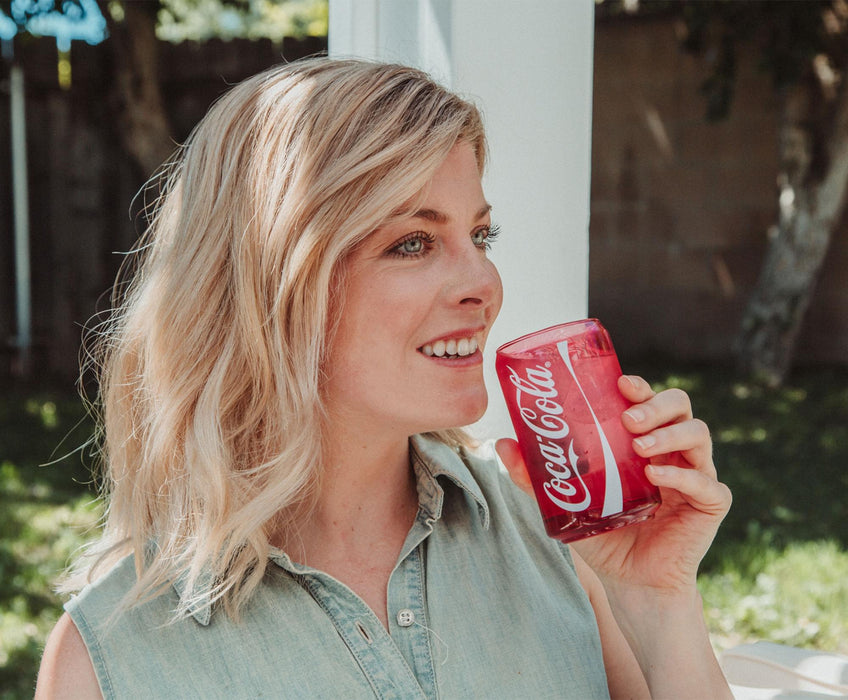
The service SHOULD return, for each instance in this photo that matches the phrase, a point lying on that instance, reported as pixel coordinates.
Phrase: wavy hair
(210, 367)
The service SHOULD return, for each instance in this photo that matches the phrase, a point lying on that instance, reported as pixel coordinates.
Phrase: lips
(450, 347)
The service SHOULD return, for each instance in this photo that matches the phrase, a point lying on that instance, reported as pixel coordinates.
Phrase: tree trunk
(809, 209)
(142, 121)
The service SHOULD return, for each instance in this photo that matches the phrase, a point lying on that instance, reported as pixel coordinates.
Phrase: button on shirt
(481, 603)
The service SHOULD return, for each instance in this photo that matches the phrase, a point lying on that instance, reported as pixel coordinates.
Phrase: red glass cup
(560, 386)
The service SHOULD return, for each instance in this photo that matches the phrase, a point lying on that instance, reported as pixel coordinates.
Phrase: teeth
(454, 347)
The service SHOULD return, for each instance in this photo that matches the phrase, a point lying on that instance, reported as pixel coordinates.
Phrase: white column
(528, 65)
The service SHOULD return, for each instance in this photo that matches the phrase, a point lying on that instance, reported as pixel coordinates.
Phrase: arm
(643, 578)
(66, 671)
(624, 677)
(676, 655)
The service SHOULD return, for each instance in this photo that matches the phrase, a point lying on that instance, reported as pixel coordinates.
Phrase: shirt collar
(431, 459)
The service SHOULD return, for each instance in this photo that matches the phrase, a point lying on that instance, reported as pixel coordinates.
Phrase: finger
(701, 491)
(510, 455)
(669, 406)
(635, 389)
(690, 438)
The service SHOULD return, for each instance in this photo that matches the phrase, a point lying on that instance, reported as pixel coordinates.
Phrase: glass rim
(558, 331)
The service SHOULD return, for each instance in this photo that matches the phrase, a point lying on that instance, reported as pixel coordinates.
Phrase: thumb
(508, 451)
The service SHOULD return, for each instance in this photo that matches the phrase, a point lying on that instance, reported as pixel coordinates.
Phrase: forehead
(455, 186)
(453, 193)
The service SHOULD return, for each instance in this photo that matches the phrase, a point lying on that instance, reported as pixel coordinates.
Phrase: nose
(476, 282)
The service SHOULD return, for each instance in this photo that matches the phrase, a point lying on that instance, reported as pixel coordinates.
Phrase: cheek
(497, 294)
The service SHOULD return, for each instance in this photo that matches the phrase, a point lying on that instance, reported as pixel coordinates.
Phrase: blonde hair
(211, 368)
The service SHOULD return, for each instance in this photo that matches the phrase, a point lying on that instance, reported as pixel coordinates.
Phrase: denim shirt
(482, 604)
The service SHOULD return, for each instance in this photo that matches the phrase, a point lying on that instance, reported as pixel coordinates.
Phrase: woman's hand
(662, 553)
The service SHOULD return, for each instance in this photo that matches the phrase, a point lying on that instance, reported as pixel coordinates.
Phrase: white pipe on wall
(20, 199)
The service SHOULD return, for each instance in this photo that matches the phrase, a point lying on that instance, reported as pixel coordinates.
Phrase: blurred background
(718, 258)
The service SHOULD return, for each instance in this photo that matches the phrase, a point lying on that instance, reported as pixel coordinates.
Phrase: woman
(293, 510)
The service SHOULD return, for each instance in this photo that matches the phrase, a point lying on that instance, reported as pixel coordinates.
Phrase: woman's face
(420, 299)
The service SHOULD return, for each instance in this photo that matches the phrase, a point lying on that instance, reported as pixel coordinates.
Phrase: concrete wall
(681, 208)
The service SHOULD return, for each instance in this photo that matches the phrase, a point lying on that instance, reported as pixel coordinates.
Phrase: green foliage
(200, 20)
(795, 596)
(777, 571)
(782, 451)
(47, 511)
(177, 20)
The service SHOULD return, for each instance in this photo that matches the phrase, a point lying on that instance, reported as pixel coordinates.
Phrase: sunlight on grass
(46, 513)
(45, 410)
(45, 539)
(739, 436)
(778, 570)
(795, 597)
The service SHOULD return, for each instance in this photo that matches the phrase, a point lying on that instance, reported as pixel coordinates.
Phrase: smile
(454, 347)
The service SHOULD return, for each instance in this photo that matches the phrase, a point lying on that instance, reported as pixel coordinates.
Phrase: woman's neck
(368, 498)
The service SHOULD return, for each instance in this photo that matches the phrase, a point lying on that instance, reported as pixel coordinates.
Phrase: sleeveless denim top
(482, 604)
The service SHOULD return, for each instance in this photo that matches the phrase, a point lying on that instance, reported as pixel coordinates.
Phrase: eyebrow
(438, 217)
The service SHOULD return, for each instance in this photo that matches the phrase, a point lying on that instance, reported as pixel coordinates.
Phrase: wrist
(666, 631)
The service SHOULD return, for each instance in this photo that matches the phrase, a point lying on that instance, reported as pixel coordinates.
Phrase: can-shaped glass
(560, 386)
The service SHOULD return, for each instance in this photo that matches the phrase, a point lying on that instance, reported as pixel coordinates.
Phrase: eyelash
(492, 234)
(428, 239)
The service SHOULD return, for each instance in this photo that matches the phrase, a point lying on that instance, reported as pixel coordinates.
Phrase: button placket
(378, 657)
(407, 600)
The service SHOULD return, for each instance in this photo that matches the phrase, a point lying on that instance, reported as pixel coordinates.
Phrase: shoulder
(66, 669)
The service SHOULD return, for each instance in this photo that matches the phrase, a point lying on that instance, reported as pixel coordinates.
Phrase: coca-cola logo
(535, 398)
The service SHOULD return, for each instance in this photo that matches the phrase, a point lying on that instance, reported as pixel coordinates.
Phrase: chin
(471, 411)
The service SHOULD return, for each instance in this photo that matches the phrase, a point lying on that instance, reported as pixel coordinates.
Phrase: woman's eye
(413, 245)
(484, 237)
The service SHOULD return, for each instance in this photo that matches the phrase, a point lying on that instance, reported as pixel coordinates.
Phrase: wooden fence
(82, 183)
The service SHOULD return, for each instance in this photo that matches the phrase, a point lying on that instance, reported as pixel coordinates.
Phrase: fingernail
(635, 414)
(646, 441)
(657, 471)
(632, 381)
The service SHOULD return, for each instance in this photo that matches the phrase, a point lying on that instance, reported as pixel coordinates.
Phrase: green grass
(778, 570)
(46, 513)
(797, 595)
